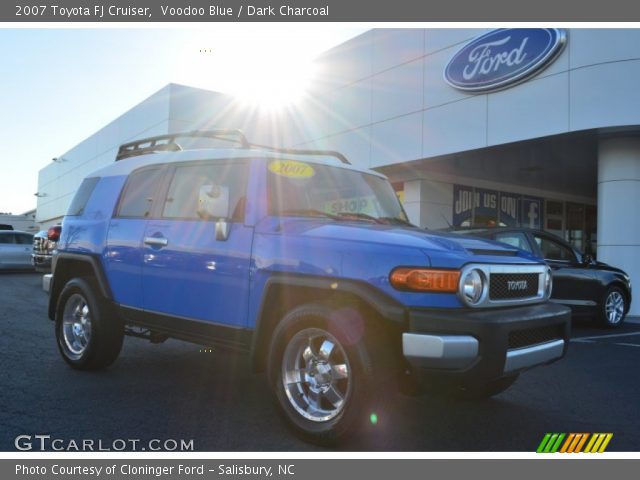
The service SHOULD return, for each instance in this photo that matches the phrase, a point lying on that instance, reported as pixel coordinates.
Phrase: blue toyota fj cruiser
(305, 262)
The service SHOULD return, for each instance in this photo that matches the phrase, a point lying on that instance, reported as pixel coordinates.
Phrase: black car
(587, 286)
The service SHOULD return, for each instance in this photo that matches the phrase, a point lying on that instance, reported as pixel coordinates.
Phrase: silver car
(15, 249)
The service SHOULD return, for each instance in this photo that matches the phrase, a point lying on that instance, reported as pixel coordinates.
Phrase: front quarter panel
(87, 232)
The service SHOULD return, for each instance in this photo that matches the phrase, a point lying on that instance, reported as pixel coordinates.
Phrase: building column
(428, 203)
(618, 203)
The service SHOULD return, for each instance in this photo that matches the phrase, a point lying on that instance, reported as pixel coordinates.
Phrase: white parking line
(625, 344)
(608, 343)
(613, 335)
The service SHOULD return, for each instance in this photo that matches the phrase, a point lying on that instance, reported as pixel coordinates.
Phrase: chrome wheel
(316, 375)
(76, 325)
(614, 307)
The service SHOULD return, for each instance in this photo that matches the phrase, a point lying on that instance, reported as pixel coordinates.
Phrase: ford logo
(504, 57)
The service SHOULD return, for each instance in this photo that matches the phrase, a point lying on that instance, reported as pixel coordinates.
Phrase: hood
(610, 268)
(392, 235)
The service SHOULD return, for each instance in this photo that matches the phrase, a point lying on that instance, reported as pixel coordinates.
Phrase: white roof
(126, 165)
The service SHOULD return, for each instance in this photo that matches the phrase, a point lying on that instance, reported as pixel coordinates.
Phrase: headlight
(548, 283)
(472, 286)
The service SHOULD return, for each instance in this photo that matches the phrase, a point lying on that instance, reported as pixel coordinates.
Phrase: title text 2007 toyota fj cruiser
(304, 261)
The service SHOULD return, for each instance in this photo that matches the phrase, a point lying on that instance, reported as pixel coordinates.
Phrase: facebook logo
(531, 212)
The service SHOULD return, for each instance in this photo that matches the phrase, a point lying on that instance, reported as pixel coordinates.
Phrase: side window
(137, 199)
(23, 239)
(82, 195)
(515, 239)
(553, 250)
(191, 182)
(7, 238)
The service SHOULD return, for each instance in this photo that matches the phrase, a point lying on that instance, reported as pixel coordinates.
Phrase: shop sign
(503, 58)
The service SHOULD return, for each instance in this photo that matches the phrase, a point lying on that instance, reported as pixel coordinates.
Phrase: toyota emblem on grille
(517, 285)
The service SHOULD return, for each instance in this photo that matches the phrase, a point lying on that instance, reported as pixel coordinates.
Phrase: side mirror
(222, 229)
(213, 203)
(587, 259)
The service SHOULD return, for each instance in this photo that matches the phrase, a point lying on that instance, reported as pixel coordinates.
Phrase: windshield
(309, 189)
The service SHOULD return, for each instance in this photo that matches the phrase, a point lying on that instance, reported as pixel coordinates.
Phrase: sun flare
(272, 83)
(267, 72)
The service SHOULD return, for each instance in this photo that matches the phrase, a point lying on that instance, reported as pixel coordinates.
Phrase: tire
(321, 374)
(88, 333)
(613, 308)
(485, 390)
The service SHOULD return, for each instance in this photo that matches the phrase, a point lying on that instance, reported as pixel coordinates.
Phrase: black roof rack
(163, 143)
(298, 151)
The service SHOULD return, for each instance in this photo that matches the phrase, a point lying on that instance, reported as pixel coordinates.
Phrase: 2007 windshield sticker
(291, 169)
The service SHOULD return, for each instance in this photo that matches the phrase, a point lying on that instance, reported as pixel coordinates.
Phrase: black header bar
(487, 11)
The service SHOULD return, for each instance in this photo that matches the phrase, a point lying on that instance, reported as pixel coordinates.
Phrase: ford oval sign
(503, 57)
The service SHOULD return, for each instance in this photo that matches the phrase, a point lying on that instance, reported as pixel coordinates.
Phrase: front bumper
(41, 262)
(482, 345)
(46, 282)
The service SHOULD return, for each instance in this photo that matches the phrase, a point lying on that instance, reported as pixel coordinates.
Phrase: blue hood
(432, 243)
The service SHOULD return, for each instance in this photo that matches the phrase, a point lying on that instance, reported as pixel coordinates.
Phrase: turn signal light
(425, 280)
(53, 233)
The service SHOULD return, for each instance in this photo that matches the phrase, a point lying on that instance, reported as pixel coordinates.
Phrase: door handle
(156, 241)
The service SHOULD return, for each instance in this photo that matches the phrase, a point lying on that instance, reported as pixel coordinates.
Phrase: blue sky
(58, 86)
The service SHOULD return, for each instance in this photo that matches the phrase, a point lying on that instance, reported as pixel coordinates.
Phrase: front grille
(494, 253)
(39, 245)
(534, 336)
(506, 286)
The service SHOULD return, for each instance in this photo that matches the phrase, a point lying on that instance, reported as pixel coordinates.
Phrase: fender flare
(387, 307)
(62, 275)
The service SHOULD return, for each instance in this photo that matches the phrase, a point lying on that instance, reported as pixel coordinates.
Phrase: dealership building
(522, 127)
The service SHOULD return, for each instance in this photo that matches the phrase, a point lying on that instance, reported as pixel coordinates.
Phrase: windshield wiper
(342, 216)
(397, 221)
(359, 216)
(309, 212)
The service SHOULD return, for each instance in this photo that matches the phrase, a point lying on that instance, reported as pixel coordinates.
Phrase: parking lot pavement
(629, 338)
(178, 391)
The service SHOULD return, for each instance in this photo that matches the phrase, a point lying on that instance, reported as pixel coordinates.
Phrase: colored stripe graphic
(543, 443)
(605, 444)
(550, 443)
(599, 442)
(581, 443)
(574, 443)
(590, 444)
(556, 445)
(567, 443)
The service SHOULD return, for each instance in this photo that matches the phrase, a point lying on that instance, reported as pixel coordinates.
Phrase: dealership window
(478, 207)
(554, 217)
(590, 230)
(575, 222)
(575, 225)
